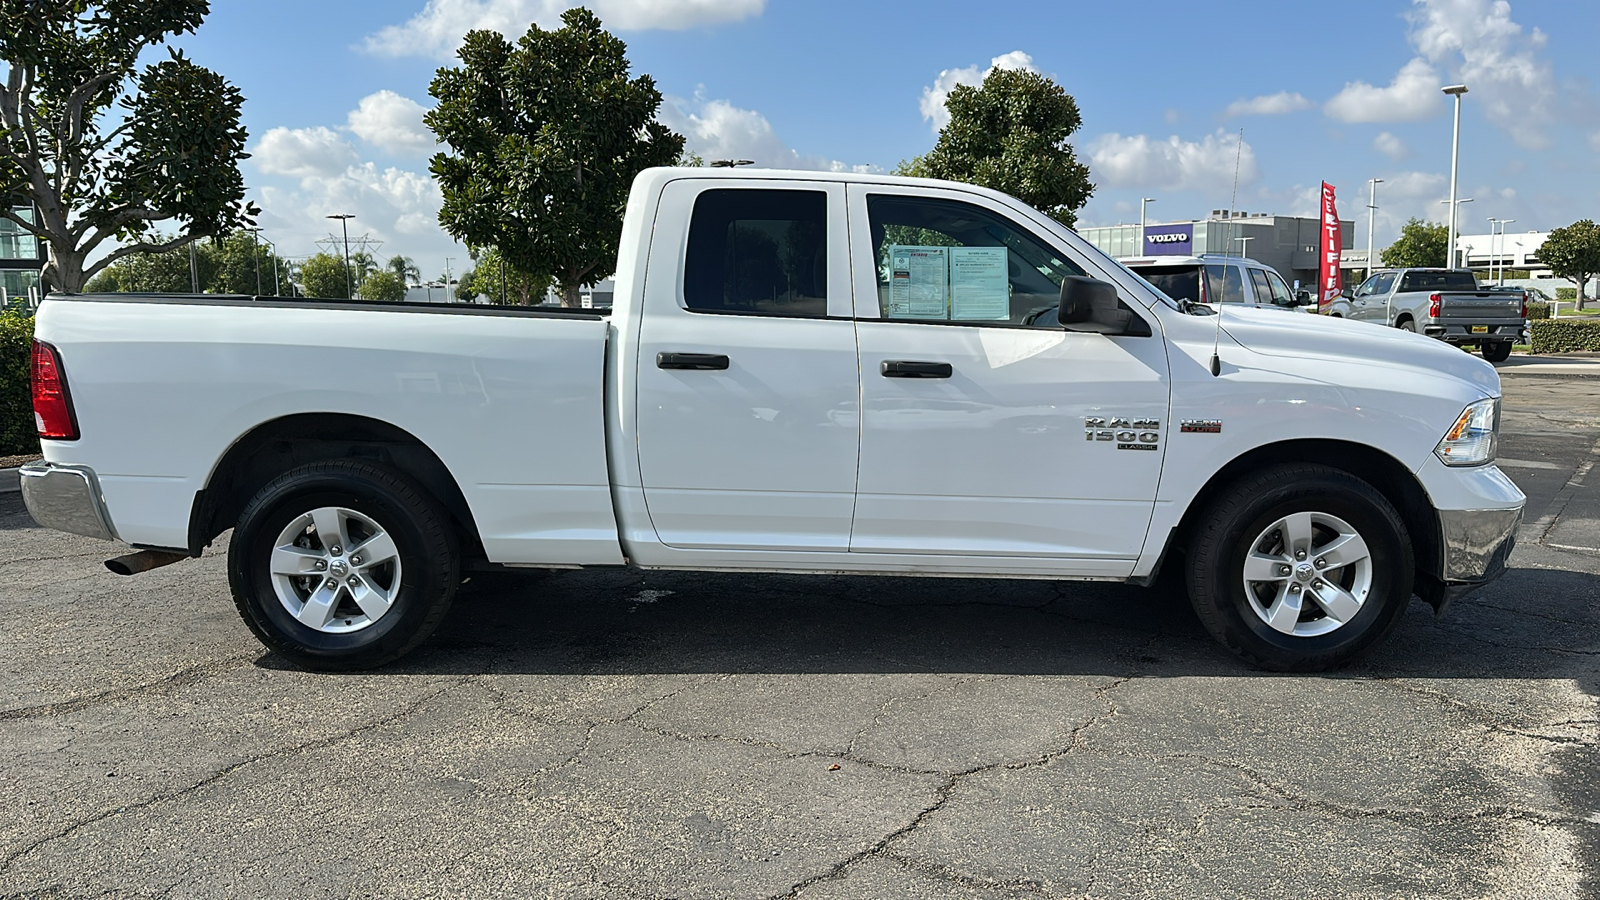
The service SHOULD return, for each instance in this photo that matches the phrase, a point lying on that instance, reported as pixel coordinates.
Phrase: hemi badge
(1201, 426)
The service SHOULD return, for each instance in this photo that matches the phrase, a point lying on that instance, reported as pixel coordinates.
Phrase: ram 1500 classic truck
(803, 372)
(1443, 303)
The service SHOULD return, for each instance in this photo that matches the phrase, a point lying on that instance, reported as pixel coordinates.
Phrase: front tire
(342, 565)
(1300, 568)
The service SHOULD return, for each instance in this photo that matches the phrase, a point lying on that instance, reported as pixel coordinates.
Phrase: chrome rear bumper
(66, 498)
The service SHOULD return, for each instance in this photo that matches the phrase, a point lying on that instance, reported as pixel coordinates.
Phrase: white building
(1512, 250)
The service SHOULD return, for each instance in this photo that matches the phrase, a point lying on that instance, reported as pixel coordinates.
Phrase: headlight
(1471, 441)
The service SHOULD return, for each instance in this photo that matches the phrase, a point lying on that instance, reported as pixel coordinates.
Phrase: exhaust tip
(143, 561)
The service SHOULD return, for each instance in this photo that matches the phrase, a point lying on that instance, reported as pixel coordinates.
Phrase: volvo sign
(1169, 240)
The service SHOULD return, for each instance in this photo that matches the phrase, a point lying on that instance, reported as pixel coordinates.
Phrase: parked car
(1446, 304)
(1213, 278)
(803, 372)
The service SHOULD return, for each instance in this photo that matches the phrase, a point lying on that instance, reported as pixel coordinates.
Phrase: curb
(10, 481)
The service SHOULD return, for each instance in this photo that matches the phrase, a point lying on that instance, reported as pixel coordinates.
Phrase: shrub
(17, 432)
(1565, 335)
(1538, 310)
(1570, 293)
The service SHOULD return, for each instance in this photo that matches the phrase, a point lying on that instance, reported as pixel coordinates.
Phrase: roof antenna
(1216, 337)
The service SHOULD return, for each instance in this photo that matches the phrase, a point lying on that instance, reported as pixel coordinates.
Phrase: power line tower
(365, 246)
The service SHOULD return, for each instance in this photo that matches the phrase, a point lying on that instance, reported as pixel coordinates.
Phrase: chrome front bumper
(66, 498)
(1477, 543)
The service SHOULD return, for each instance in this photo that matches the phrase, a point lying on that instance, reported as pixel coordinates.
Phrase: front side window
(948, 261)
(1280, 290)
(761, 252)
(1382, 283)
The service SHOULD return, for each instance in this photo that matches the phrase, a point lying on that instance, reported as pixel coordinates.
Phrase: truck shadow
(1533, 623)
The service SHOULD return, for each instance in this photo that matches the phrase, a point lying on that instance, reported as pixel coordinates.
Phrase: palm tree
(406, 268)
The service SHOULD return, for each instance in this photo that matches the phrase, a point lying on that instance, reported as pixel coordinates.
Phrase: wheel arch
(276, 446)
(1388, 475)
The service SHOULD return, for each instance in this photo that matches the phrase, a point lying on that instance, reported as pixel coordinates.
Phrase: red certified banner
(1329, 280)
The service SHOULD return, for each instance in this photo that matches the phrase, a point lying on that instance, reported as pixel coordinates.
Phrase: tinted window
(753, 251)
(1258, 279)
(1383, 283)
(1368, 286)
(942, 260)
(1224, 284)
(1280, 290)
(1177, 282)
(1438, 281)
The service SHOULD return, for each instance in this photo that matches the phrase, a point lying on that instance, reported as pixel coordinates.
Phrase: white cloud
(933, 98)
(716, 129)
(1594, 141)
(302, 152)
(1413, 95)
(1173, 164)
(1390, 146)
(437, 30)
(1268, 105)
(1502, 65)
(392, 123)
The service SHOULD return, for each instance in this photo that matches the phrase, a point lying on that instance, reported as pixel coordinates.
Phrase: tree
(1011, 135)
(240, 264)
(226, 265)
(520, 287)
(1420, 245)
(173, 157)
(325, 275)
(465, 291)
(405, 268)
(383, 285)
(1573, 253)
(545, 139)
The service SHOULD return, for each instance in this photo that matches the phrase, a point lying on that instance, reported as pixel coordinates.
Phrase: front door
(747, 408)
(987, 430)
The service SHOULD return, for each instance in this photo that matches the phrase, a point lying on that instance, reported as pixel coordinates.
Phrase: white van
(1228, 279)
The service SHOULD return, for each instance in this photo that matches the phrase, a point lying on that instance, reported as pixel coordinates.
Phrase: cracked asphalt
(628, 735)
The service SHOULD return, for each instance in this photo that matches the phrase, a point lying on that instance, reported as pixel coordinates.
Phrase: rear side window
(1224, 284)
(758, 252)
(1177, 282)
(1258, 279)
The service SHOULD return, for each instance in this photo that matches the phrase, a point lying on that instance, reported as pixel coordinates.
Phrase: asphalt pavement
(628, 735)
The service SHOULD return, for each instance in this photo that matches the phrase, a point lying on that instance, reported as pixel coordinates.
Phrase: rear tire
(1300, 568)
(1496, 352)
(342, 565)
(1407, 325)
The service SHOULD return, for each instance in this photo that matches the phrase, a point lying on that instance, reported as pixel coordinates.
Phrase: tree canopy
(325, 275)
(227, 265)
(1011, 134)
(171, 154)
(520, 288)
(1573, 253)
(383, 285)
(545, 137)
(1420, 245)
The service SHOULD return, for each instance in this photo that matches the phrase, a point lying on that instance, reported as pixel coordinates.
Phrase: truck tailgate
(1481, 306)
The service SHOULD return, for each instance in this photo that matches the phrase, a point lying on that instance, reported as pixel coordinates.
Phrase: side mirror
(1349, 293)
(1080, 296)
(1302, 297)
(1091, 305)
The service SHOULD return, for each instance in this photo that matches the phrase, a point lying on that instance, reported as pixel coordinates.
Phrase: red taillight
(1524, 304)
(1433, 306)
(52, 405)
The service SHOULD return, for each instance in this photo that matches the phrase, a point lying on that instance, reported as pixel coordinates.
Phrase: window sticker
(979, 287)
(919, 282)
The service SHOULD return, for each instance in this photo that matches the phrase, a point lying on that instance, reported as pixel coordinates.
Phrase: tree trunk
(64, 271)
(569, 295)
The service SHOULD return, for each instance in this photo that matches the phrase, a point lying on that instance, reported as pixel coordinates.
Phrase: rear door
(983, 433)
(747, 412)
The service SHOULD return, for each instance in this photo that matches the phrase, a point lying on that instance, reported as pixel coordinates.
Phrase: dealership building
(1289, 244)
(21, 258)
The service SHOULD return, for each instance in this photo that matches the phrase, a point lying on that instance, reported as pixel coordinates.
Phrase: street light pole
(1451, 262)
(1454, 90)
(1501, 255)
(255, 254)
(344, 222)
(1372, 210)
(1492, 221)
(1142, 202)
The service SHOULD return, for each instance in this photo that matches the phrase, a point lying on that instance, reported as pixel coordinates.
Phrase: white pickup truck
(803, 372)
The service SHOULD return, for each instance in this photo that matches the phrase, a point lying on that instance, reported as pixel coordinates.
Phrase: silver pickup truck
(1442, 303)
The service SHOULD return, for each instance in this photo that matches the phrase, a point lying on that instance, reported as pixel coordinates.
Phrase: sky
(1342, 93)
